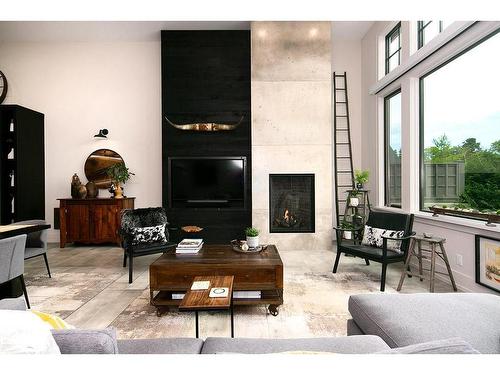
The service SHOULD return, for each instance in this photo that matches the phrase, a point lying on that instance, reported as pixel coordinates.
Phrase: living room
(330, 186)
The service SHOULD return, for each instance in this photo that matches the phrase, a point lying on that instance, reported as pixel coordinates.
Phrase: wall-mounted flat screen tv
(207, 182)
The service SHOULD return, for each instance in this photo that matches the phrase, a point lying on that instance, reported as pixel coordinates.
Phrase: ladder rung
(341, 116)
(343, 157)
(349, 186)
(344, 172)
(341, 130)
(343, 143)
(340, 102)
(340, 88)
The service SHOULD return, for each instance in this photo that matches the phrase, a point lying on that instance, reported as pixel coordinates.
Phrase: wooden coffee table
(200, 300)
(173, 273)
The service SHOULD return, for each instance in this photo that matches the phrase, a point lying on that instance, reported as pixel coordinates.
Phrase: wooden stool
(434, 251)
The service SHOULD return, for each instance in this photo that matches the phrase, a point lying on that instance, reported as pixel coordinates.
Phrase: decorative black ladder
(344, 173)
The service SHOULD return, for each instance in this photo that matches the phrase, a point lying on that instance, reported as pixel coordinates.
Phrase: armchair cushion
(148, 235)
(141, 218)
(374, 237)
(373, 252)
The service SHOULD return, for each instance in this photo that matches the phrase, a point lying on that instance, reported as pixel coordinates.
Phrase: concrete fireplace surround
(291, 120)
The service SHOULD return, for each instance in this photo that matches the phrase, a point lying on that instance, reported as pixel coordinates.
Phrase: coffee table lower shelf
(274, 298)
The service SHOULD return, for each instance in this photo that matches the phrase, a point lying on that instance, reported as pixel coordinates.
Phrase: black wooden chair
(382, 220)
(140, 218)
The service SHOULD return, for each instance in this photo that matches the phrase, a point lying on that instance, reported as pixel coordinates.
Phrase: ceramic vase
(253, 241)
(118, 192)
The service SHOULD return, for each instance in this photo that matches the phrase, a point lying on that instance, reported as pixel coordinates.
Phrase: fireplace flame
(286, 215)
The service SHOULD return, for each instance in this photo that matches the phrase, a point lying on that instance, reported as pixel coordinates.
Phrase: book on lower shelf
(250, 294)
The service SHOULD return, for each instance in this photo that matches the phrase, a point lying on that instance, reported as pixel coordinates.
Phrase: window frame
(387, 134)
(421, 29)
(395, 30)
(421, 124)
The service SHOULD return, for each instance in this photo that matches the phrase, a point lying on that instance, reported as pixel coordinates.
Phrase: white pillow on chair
(373, 237)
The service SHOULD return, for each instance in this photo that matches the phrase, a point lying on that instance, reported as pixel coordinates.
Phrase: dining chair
(12, 261)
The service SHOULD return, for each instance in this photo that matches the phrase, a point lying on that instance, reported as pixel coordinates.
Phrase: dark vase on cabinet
(92, 221)
(22, 166)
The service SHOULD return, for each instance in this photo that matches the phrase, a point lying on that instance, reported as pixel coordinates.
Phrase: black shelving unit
(22, 166)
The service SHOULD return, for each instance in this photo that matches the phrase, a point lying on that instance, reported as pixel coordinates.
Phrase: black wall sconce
(102, 133)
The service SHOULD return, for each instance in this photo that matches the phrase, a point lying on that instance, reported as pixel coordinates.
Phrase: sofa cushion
(86, 341)
(448, 346)
(21, 332)
(406, 319)
(160, 346)
(347, 345)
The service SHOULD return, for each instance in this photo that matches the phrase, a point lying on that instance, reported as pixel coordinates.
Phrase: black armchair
(382, 220)
(140, 218)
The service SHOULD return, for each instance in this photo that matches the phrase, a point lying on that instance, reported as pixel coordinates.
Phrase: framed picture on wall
(488, 262)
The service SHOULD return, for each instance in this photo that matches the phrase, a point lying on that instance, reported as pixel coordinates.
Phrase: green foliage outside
(482, 170)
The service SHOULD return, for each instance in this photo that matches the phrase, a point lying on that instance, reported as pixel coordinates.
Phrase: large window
(392, 122)
(393, 49)
(427, 30)
(460, 133)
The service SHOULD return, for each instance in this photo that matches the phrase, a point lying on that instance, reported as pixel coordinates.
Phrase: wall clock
(3, 87)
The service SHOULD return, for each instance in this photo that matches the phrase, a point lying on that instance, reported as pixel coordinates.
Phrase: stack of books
(189, 246)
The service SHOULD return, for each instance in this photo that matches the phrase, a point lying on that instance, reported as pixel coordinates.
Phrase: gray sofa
(408, 319)
(360, 340)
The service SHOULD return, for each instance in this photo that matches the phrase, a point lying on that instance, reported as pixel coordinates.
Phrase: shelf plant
(361, 178)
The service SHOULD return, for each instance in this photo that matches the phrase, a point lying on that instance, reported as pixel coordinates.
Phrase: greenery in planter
(361, 177)
(252, 232)
(119, 173)
(347, 225)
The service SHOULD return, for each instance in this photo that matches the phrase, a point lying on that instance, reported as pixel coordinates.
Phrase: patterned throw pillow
(148, 235)
(373, 237)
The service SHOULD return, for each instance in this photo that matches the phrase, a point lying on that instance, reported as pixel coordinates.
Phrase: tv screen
(207, 182)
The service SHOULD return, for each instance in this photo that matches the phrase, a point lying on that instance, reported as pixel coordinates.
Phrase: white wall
(81, 88)
(346, 57)
(460, 233)
(291, 120)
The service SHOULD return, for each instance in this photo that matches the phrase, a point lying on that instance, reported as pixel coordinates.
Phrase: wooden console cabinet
(93, 220)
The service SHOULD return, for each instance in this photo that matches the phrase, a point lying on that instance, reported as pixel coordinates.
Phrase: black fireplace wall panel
(206, 78)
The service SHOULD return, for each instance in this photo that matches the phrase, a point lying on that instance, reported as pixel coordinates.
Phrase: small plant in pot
(361, 178)
(353, 199)
(348, 226)
(252, 237)
(119, 174)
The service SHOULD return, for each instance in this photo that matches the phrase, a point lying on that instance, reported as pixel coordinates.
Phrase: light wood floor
(89, 288)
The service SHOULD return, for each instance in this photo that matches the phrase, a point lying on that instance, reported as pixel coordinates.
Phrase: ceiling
(136, 31)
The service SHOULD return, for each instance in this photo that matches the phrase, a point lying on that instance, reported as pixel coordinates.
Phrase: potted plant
(119, 174)
(252, 237)
(361, 178)
(353, 199)
(348, 226)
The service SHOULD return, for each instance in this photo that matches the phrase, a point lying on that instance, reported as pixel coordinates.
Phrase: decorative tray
(237, 247)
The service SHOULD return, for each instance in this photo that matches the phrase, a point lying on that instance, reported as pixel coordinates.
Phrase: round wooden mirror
(96, 165)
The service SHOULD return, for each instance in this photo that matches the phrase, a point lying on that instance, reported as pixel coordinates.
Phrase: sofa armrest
(86, 341)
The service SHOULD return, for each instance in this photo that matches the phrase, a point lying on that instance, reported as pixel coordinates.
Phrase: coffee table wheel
(159, 311)
(273, 310)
